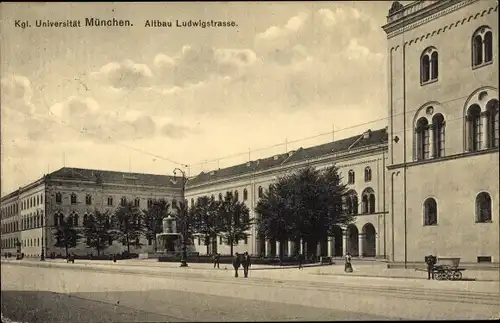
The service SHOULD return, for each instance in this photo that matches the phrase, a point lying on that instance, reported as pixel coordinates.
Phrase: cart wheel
(449, 275)
(457, 275)
(439, 276)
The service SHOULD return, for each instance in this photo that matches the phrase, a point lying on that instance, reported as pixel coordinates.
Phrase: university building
(426, 184)
(31, 213)
(443, 166)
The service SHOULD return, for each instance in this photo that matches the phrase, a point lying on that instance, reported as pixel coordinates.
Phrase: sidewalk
(380, 270)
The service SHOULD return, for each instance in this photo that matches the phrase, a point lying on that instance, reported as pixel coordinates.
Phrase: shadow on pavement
(157, 306)
(49, 307)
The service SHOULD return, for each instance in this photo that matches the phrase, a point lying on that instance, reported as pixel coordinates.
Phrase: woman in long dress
(348, 265)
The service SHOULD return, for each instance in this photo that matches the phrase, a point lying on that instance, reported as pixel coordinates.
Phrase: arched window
(429, 69)
(245, 194)
(73, 198)
(192, 202)
(438, 135)
(352, 203)
(493, 129)
(58, 198)
(430, 212)
(236, 195)
(61, 218)
(434, 66)
(474, 127)
(483, 208)
(88, 199)
(220, 197)
(350, 177)
(261, 191)
(76, 219)
(56, 222)
(270, 189)
(368, 201)
(422, 139)
(38, 200)
(137, 202)
(368, 174)
(482, 46)
(85, 219)
(123, 201)
(110, 201)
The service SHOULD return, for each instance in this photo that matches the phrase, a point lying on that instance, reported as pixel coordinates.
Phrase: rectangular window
(150, 241)
(246, 240)
(484, 259)
(199, 241)
(220, 240)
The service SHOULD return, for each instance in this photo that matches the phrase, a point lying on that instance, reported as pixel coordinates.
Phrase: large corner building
(426, 184)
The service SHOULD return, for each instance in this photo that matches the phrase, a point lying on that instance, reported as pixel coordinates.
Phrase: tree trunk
(231, 245)
(128, 245)
(207, 242)
(155, 246)
(66, 248)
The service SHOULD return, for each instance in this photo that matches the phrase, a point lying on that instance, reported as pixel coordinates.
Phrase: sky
(152, 99)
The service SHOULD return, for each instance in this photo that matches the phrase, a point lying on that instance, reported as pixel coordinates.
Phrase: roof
(375, 137)
(113, 177)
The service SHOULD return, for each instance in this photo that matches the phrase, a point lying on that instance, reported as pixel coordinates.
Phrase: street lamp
(182, 215)
(42, 253)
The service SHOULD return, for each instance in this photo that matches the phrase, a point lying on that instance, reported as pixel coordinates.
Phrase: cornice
(442, 159)
(443, 28)
(353, 153)
(418, 13)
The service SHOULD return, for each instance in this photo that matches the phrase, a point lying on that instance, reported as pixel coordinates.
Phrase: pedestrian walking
(301, 260)
(348, 264)
(246, 263)
(216, 260)
(236, 264)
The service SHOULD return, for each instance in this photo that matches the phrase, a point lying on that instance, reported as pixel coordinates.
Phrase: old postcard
(249, 161)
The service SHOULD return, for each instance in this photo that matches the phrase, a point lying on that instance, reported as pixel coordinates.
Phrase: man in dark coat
(430, 261)
(236, 264)
(216, 260)
(246, 263)
(301, 260)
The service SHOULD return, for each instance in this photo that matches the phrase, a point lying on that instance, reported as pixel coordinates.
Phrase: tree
(66, 234)
(233, 220)
(306, 204)
(127, 221)
(274, 211)
(98, 231)
(153, 219)
(205, 214)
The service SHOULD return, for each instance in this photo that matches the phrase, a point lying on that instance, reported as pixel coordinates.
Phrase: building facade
(361, 161)
(31, 214)
(443, 128)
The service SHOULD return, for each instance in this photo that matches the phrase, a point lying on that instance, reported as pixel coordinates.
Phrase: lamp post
(183, 216)
(42, 253)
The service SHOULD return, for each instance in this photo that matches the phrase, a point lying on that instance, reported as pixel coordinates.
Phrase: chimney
(367, 134)
(276, 157)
